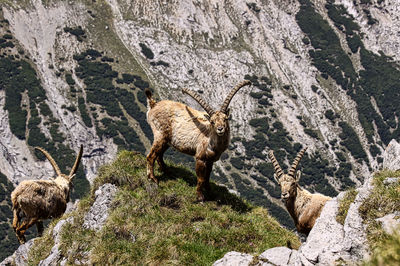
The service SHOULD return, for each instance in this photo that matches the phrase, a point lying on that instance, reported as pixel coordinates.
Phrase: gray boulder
(234, 258)
(279, 256)
(329, 241)
(390, 222)
(98, 213)
(391, 156)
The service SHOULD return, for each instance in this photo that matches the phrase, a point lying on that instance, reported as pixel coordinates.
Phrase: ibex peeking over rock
(303, 206)
(37, 200)
(204, 135)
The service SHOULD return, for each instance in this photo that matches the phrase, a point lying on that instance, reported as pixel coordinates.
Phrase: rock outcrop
(391, 158)
(235, 259)
(328, 241)
(98, 213)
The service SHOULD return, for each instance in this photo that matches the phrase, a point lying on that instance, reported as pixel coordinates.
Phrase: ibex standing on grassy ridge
(303, 206)
(203, 135)
(37, 200)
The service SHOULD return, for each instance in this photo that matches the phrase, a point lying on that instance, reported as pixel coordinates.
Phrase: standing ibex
(203, 135)
(303, 206)
(37, 200)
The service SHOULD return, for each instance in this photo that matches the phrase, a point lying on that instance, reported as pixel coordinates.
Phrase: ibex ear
(228, 113)
(298, 175)
(276, 178)
(207, 116)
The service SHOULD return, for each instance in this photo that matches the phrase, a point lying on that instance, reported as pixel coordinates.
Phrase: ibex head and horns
(53, 163)
(288, 182)
(218, 118)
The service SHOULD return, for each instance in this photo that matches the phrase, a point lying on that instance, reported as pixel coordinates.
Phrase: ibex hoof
(154, 179)
(201, 198)
(21, 240)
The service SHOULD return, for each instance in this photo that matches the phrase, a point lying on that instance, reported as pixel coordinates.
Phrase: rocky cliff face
(312, 83)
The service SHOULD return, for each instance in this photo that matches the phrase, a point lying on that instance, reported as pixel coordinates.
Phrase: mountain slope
(325, 75)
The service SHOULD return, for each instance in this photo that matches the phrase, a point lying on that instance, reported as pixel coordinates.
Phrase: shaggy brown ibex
(303, 206)
(203, 135)
(37, 200)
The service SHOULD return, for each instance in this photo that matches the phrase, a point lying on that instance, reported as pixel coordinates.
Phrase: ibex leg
(151, 157)
(201, 172)
(39, 226)
(23, 227)
(160, 159)
(209, 166)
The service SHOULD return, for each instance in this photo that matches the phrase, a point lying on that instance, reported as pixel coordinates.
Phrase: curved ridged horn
(197, 97)
(228, 98)
(277, 167)
(77, 161)
(51, 160)
(296, 161)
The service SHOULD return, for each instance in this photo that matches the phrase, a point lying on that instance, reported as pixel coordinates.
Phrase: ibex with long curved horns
(203, 135)
(303, 206)
(37, 200)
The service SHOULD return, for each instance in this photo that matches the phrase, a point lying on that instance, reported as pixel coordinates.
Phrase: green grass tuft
(344, 205)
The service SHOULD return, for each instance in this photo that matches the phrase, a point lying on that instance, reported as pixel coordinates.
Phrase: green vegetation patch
(344, 205)
(352, 142)
(19, 77)
(383, 200)
(165, 224)
(8, 240)
(99, 77)
(78, 32)
(146, 51)
(379, 77)
(15, 78)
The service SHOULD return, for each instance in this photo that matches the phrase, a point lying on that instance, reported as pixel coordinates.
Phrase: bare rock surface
(279, 256)
(20, 256)
(234, 258)
(391, 157)
(390, 222)
(98, 213)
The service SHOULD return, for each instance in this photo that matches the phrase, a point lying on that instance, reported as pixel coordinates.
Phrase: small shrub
(146, 51)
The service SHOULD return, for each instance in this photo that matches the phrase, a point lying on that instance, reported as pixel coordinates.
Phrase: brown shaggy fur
(303, 206)
(204, 135)
(36, 200)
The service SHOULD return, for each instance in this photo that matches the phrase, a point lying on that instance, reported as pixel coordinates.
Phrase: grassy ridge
(165, 224)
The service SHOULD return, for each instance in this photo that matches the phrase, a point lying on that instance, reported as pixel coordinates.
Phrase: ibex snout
(220, 131)
(285, 196)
